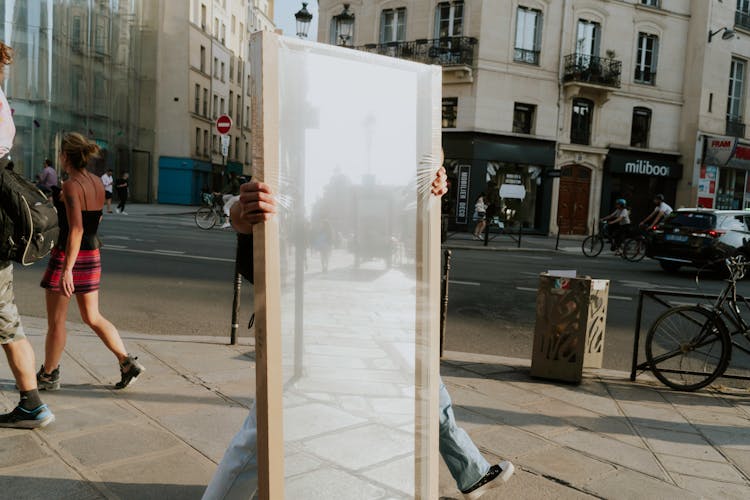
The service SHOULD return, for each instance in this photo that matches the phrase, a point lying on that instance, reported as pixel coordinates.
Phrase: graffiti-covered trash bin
(571, 318)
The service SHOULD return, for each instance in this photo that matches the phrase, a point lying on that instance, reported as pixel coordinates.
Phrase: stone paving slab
(162, 438)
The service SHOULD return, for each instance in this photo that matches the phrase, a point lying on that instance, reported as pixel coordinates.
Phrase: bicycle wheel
(592, 245)
(205, 218)
(634, 249)
(688, 347)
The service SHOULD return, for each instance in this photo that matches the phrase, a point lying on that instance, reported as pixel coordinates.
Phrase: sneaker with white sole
(130, 369)
(27, 419)
(495, 477)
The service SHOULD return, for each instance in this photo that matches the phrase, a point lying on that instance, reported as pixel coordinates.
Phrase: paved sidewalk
(162, 438)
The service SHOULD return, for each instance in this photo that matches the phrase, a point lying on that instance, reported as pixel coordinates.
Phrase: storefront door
(573, 203)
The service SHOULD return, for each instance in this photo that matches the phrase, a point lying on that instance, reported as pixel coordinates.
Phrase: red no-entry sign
(224, 124)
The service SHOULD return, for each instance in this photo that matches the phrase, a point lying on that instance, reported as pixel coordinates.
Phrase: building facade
(78, 67)
(554, 109)
(203, 72)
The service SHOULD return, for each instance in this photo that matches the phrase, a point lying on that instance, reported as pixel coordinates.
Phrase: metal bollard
(444, 302)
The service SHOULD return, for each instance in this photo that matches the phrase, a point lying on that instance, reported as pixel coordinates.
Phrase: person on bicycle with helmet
(618, 223)
(661, 212)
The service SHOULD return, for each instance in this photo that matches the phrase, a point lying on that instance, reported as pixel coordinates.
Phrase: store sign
(645, 167)
(462, 203)
(719, 150)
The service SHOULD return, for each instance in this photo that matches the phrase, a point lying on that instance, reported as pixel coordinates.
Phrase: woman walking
(75, 267)
(480, 216)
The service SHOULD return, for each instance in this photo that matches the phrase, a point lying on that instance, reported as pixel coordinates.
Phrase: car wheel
(670, 267)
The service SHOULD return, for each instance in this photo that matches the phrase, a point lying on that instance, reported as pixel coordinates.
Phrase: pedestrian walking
(75, 266)
(122, 184)
(230, 196)
(30, 413)
(47, 177)
(108, 182)
(237, 473)
(480, 215)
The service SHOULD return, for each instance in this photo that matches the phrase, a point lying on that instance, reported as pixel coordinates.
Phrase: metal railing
(735, 127)
(592, 69)
(448, 51)
(742, 19)
(526, 56)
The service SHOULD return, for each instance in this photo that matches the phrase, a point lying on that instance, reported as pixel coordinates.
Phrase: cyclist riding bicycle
(618, 224)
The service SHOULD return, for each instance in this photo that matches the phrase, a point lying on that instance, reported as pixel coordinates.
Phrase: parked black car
(699, 237)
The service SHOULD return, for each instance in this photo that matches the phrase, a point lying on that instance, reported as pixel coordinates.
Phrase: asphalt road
(163, 275)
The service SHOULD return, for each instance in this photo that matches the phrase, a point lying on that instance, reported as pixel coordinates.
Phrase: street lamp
(303, 18)
(345, 25)
(727, 35)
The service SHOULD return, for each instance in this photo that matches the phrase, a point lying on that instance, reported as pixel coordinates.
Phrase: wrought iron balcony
(448, 51)
(742, 19)
(526, 56)
(592, 69)
(735, 126)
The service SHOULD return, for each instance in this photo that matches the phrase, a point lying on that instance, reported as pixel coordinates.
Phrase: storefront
(637, 176)
(723, 181)
(510, 171)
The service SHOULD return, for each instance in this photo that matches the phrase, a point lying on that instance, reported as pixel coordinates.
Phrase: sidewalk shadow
(43, 488)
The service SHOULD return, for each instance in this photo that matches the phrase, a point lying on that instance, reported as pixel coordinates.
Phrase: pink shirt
(7, 127)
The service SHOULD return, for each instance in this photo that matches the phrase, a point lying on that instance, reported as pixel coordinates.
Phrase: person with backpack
(75, 266)
(31, 412)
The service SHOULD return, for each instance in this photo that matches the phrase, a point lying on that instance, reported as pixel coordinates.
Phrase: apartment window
(236, 146)
(247, 116)
(528, 35)
(651, 3)
(203, 17)
(203, 59)
(214, 143)
(234, 24)
(197, 141)
(247, 153)
(100, 35)
(580, 125)
(222, 71)
(223, 32)
(215, 109)
(197, 98)
(205, 142)
(75, 35)
(222, 105)
(231, 103)
(216, 67)
(231, 68)
(248, 85)
(239, 111)
(641, 127)
(393, 25)
(735, 99)
(588, 38)
(645, 60)
(742, 14)
(450, 112)
(449, 19)
(523, 118)
(205, 102)
(216, 27)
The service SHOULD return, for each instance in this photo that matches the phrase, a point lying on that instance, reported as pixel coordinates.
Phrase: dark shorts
(87, 271)
(107, 195)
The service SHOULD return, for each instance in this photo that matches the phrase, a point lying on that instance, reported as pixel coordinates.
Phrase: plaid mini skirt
(87, 271)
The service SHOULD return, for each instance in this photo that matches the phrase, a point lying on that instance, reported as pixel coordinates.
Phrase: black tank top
(90, 218)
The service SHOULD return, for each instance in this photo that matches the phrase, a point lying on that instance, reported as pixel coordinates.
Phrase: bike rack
(655, 295)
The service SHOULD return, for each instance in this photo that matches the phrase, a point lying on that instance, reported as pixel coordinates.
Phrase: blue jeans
(236, 477)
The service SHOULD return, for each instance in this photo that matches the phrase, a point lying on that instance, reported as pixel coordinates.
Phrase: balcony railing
(449, 51)
(735, 127)
(592, 69)
(526, 56)
(742, 19)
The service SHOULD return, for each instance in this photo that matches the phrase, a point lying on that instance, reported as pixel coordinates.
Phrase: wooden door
(573, 200)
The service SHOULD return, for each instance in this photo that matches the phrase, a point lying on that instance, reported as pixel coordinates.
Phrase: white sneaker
(124, 212)
(495, 477)
(118, 210)
(226, 225)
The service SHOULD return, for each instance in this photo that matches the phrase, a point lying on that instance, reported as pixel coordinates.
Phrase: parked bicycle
(632, 247)
(688, 347)
(211, 212)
